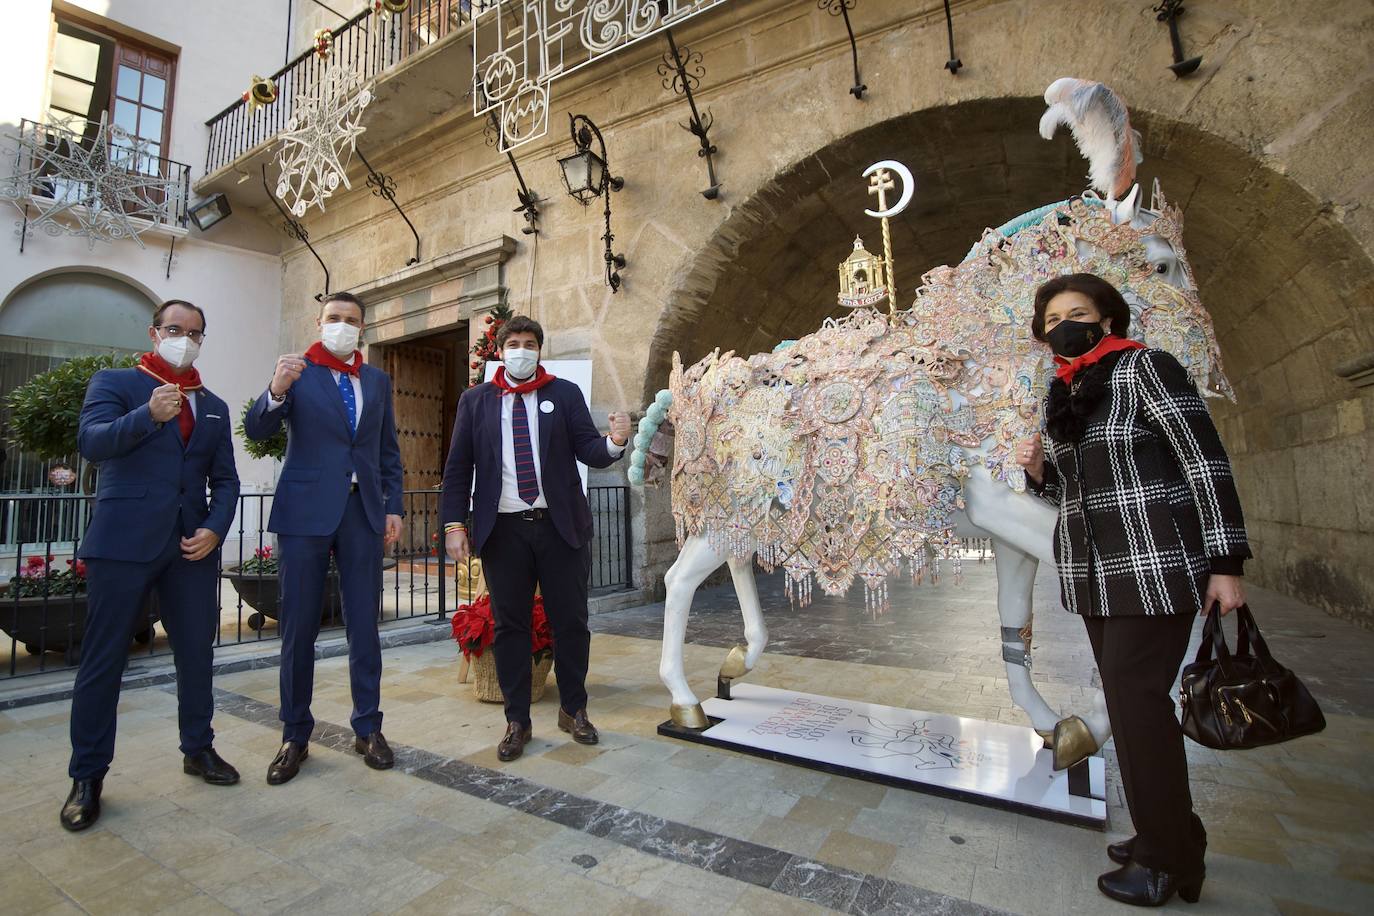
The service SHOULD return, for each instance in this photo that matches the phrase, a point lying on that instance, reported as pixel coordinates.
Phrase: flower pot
(487, 688)
(262, 592)
(57, 623)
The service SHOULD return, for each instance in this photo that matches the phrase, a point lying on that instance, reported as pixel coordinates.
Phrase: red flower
(78, 567)
(35, 562)
(487, 319)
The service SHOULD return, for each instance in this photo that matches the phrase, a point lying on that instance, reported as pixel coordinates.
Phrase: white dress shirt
(356, 379)
(510, 485)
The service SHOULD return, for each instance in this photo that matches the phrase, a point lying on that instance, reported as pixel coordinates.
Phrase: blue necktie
(526, 482)
(350, 402)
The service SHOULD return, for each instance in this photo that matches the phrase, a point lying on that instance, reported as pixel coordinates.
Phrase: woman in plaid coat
(1150, 533)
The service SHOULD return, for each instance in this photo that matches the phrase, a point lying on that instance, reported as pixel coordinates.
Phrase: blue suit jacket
(322, 457)
(149, 482)
(566, 436)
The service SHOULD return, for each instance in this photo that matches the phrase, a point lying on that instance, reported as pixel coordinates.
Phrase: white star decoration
(105, 188)
(319, 139)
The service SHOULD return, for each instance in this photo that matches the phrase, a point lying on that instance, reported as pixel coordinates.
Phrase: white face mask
(339, 338)
(521, 363)
(179, 352)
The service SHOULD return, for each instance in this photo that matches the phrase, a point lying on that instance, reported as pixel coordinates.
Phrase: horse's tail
(642, 458)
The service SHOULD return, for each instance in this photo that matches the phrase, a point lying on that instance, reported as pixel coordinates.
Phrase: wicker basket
(487, 688)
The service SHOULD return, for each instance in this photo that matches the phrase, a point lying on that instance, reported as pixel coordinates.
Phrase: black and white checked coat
(1147, 504)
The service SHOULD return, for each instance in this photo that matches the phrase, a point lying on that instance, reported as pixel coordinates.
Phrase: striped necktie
(527, 482)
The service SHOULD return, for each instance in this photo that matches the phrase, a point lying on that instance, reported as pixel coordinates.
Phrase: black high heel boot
(1140, 886)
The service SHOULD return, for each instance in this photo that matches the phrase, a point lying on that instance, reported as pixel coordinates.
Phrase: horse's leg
(697, 560)
(742, 659)
(1024, 526)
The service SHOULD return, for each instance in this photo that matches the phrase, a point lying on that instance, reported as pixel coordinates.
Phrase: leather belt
(529, 515)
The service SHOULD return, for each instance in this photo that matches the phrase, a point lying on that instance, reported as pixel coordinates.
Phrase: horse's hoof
(1073, 742)
(1046, 736)
(734, 665)
(689, 716)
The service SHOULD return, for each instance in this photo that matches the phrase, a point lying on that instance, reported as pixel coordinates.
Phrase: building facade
(1265, 147)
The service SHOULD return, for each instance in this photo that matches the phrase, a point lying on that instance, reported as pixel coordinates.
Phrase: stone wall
(1266, 148)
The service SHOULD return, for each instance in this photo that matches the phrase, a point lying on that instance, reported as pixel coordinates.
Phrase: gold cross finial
(880, 182)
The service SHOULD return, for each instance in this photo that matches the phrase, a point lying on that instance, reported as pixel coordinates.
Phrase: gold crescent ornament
(394, 7)
(261, 91)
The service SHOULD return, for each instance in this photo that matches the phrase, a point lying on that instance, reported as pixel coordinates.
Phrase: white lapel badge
(546, 406)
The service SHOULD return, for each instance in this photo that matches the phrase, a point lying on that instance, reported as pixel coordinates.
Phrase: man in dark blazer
(161, 440)
(339, 493)
(520, 437)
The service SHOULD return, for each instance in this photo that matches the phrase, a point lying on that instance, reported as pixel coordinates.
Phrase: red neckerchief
(541, 378)
(321, 356)
(167, 374)
(1068, 368)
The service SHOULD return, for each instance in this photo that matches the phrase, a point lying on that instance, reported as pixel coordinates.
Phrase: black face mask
(1074, 338)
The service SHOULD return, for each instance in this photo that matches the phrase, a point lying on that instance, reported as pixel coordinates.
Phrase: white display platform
(990, 763)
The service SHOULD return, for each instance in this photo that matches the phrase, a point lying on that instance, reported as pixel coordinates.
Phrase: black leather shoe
(210, 767)
(1121, 853)
(579, 726)
(513, 744)
(376, 752)
(82, 808)
(1140, 886)
(287, 763)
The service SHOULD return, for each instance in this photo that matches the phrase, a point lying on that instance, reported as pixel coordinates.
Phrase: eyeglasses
(176, 330)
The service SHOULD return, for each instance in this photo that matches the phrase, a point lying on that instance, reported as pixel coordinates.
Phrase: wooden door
(418, 379)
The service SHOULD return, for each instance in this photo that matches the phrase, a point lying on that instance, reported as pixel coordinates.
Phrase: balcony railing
(367, 44)
(93, 179)
(43, 625)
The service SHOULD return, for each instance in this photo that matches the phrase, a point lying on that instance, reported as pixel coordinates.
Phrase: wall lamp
(208, 212)
(587, 177)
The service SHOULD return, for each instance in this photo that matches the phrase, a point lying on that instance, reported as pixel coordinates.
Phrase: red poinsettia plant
(474, 629)
(486, 349)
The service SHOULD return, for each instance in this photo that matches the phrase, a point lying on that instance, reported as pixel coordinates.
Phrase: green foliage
(45, 411)
(274, 447)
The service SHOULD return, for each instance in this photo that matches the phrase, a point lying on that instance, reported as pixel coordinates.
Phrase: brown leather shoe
(513, 744)
(579, 726)
(287, 763)
(376, 752)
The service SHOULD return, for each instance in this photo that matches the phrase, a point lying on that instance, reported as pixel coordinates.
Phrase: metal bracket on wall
(676, 75)
(954, 63)
(384, 186)
(528, 198)
(1169, 11)
(842, 8)
(296, 230)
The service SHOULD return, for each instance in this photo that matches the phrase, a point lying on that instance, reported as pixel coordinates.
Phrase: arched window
(49, 321)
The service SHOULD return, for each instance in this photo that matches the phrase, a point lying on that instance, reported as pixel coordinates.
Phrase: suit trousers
(357, 550)
(518, 555)
(1139, 658)
(115, 593)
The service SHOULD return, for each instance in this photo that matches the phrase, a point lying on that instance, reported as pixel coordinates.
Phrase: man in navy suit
(521, 436)
(339, 493)
(161, 440)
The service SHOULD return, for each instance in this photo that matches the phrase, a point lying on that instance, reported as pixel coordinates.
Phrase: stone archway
(1286, 283)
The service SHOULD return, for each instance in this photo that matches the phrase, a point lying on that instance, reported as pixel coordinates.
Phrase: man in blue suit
(521, 436)
(339, 493)
(161, 440)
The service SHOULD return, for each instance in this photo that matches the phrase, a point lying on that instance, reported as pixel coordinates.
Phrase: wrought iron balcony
(93, 180)
(368, 44)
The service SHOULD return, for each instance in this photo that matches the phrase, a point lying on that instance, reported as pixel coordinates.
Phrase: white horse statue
(881, 440)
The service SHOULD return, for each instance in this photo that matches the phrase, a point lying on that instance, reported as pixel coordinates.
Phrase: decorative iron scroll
(521, 46)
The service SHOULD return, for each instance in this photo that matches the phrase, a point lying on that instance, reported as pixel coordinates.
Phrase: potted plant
(45, 411)
(272, 447)
(474, 630)
(44, 608)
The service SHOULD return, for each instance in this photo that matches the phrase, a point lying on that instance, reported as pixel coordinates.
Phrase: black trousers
(518, 555)
(1139, 658)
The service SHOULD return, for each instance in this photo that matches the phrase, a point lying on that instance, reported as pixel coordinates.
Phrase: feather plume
(1102, 129)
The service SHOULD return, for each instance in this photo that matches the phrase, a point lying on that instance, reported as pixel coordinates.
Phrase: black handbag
(1243, 700)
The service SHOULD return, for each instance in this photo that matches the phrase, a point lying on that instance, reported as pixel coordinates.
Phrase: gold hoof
(1073, 742)
(1046, 736)
(734, 665)
(689, 716)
